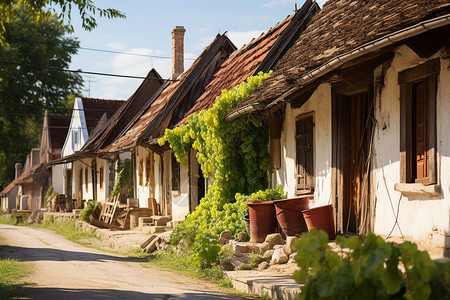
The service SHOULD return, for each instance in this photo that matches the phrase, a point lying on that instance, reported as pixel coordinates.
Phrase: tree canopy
(32, 78)
(39, 9)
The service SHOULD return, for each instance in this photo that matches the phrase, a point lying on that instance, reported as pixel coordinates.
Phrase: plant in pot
(262, 212)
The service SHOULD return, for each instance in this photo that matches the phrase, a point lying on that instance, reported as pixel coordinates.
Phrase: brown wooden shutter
(305, 155)
(420, 98)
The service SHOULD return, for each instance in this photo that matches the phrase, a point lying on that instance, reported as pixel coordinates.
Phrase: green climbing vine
(234, 153)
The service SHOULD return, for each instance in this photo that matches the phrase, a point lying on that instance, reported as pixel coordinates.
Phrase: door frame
(340, 156)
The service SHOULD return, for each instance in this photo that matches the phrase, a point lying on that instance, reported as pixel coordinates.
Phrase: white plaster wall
(57, 179)
(102, 193)
(180, 199)
(158, 184)
(421, 217)
(142, 191)
(77, 165)
(77, 123)
(320, 105)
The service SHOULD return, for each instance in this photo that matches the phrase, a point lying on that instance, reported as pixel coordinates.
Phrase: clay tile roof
(339, 27)
(57, 130)
(94, 109)
(240, 65)
(251, 58)
(8, 188)
(171, 93)
(125, 113)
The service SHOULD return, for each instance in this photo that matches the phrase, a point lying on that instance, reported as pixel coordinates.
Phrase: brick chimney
(177, 51)
(18, 167)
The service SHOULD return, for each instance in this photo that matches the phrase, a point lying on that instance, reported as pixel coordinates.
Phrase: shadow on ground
(88, 294)
(49, 254)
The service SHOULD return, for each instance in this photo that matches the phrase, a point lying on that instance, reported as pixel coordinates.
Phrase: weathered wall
(142, 191)
(57, 179)
(320, 105)
(423, 219)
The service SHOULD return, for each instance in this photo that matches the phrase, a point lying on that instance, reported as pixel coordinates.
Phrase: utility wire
(58, 108)
(98, 50)
(79, 71)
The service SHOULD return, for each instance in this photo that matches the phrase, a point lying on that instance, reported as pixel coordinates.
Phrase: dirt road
(65, 270)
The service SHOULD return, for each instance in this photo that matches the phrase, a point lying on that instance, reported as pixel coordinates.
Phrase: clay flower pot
(262, 220)
(289, 215)
(321, 218)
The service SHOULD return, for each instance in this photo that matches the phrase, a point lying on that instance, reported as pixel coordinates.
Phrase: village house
(79, 172)
(357, 111)
(107, 165)
(150, 169)
(28, 189)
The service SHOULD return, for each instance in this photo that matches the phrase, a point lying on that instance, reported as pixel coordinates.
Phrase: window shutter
(305, 155)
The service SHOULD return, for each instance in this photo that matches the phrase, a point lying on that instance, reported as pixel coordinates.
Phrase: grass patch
(11, 271)
(177, 262)
(8, 219)
(68, 229)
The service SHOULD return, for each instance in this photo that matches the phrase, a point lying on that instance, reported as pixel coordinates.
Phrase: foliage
(50, 194)
(28, 84)
(8, 219)
(367, 268)
(11, 271)
(234, 153)
(178, 262)
(41, 9)
(205, 251)
(87, 210)
(265, 195)
(123, 180)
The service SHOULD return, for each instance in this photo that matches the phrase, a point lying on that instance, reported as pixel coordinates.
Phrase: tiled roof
(125, 113)
(58, 127)
(174, 93)
(8, 188)
(94, 109)
(343, 25)
(240, 65)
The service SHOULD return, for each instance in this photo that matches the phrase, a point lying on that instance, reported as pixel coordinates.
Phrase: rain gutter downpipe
(360, 51)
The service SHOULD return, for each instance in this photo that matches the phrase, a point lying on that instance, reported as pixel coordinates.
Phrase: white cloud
(240, 38)
(115, 46)
(275, 3)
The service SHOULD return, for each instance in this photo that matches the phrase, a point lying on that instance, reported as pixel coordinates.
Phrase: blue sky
(146, 30)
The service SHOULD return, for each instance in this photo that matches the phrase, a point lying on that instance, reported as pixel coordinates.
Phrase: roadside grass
(178, 262)
(11, 271)
(67, 229)
(8, 219)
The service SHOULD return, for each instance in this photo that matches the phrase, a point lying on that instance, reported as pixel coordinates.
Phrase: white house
(364, 95)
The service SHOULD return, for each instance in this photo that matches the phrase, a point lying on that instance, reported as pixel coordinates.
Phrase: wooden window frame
(308, 189)
(406, 79)
(86, 179)
(147, 170)
(175, 173)
(141, 172)
(75, 136)
(101, 177)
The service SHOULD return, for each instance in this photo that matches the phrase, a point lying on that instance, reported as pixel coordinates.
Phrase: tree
(31, 79)
(40, 9)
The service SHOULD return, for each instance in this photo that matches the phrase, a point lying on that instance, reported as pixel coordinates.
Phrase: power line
(79, 71)
(98, 50)
(58, 108)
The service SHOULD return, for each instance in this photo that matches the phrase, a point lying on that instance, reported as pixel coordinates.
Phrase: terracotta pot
(262, 220)
(289, 215)
(246, 220)
(321, 218)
